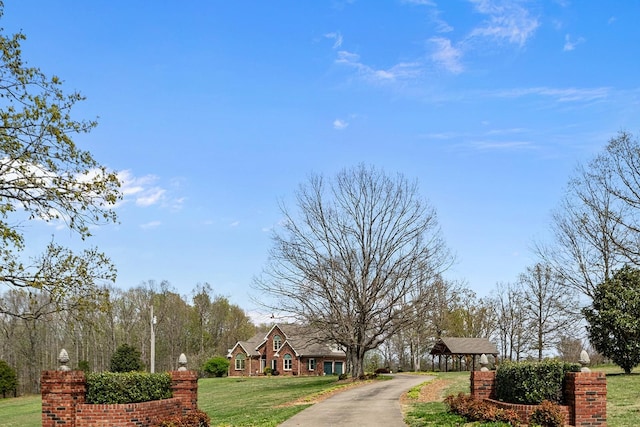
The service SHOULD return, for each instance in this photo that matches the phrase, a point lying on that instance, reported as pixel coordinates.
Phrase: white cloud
(144, 191)
(150, 197)
(234, 224)
(507, 20)
(151, 224)
(420, 2)
(336, 37)
(561, 95)
(339, 124)
(447, 55)
(501, 145)
(570, 45)
(400, 71)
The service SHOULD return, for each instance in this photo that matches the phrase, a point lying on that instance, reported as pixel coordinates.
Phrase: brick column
(61, 392)
(586, 394)
(483, 384)
(185, 387)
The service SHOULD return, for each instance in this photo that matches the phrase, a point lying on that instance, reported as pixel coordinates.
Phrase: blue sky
(214, 111)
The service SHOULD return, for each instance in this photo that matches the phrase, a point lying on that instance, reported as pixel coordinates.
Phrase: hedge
(129, 387)
(530, 383)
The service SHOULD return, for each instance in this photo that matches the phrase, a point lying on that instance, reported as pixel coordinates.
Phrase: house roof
(451, 345)
(304, 341)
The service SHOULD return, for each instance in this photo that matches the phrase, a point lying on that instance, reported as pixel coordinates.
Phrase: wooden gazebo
(462, 348)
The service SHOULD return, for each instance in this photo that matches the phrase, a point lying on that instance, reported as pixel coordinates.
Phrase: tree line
(201, 325)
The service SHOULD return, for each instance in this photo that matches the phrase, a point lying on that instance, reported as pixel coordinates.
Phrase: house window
(240, 358)
(312, 364)
(287, 362)
(277, 343)
(274, 365)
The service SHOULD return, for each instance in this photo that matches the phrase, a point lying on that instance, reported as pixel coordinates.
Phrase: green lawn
(23, 411)
(256, 401)
(623, 397)
(260, 401)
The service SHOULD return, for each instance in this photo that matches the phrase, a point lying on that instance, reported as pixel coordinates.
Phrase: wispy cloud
(151, 224)
(501, 145)
(336, 37)
(570, 44)
(446, 55)
(420, 2)
(560, 94)
(144, 191)
(502, 21)
(441, 25)
(339, 124)
(506, 20)
(400, 71)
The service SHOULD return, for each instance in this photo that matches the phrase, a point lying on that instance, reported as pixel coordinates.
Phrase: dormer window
(277, 343)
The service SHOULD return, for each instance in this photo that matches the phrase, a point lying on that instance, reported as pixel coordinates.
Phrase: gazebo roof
(449, 346)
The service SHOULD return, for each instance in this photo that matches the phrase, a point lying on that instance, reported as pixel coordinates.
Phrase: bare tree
(549, 308)
(617, 170)
(348, 263)
(597, 227)
(513, 334)
(587, 232)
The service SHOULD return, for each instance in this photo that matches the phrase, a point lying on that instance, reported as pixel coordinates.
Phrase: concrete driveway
(375, 404)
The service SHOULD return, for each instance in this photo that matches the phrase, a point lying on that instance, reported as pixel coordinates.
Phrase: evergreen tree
(614, 318)
(126, 359)
(8, 379)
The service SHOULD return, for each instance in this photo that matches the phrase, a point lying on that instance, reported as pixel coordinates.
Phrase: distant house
(288, 349)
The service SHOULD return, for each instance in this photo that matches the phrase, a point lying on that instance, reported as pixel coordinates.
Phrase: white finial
(63, 358)
(584, 361)
(182, 361)
(484, 362)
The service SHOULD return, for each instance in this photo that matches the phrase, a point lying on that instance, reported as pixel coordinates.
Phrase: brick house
(290, 350)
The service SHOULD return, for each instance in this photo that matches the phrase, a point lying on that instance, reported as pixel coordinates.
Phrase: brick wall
(63, 402)
(586, 392)
(585, 395)
(128, 414)
(483, 384)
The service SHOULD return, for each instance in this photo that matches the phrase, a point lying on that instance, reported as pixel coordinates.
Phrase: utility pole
(153, 341)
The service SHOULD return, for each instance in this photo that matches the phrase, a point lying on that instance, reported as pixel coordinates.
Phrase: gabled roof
(450, 345)
(304, 341)
(248, 347)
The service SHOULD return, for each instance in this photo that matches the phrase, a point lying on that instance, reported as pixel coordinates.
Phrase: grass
(25, 411)
(623, 397)
(260, 401)
(265, 401)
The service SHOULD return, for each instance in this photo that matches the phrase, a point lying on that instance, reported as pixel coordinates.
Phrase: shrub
(216, 366)
(479, 410)
(8, 379)
(547, 414)
(84, 366)
(193, 419)
(268, 370)
(275, 372)
(130, 387)
(126, 359)
(531, 383)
